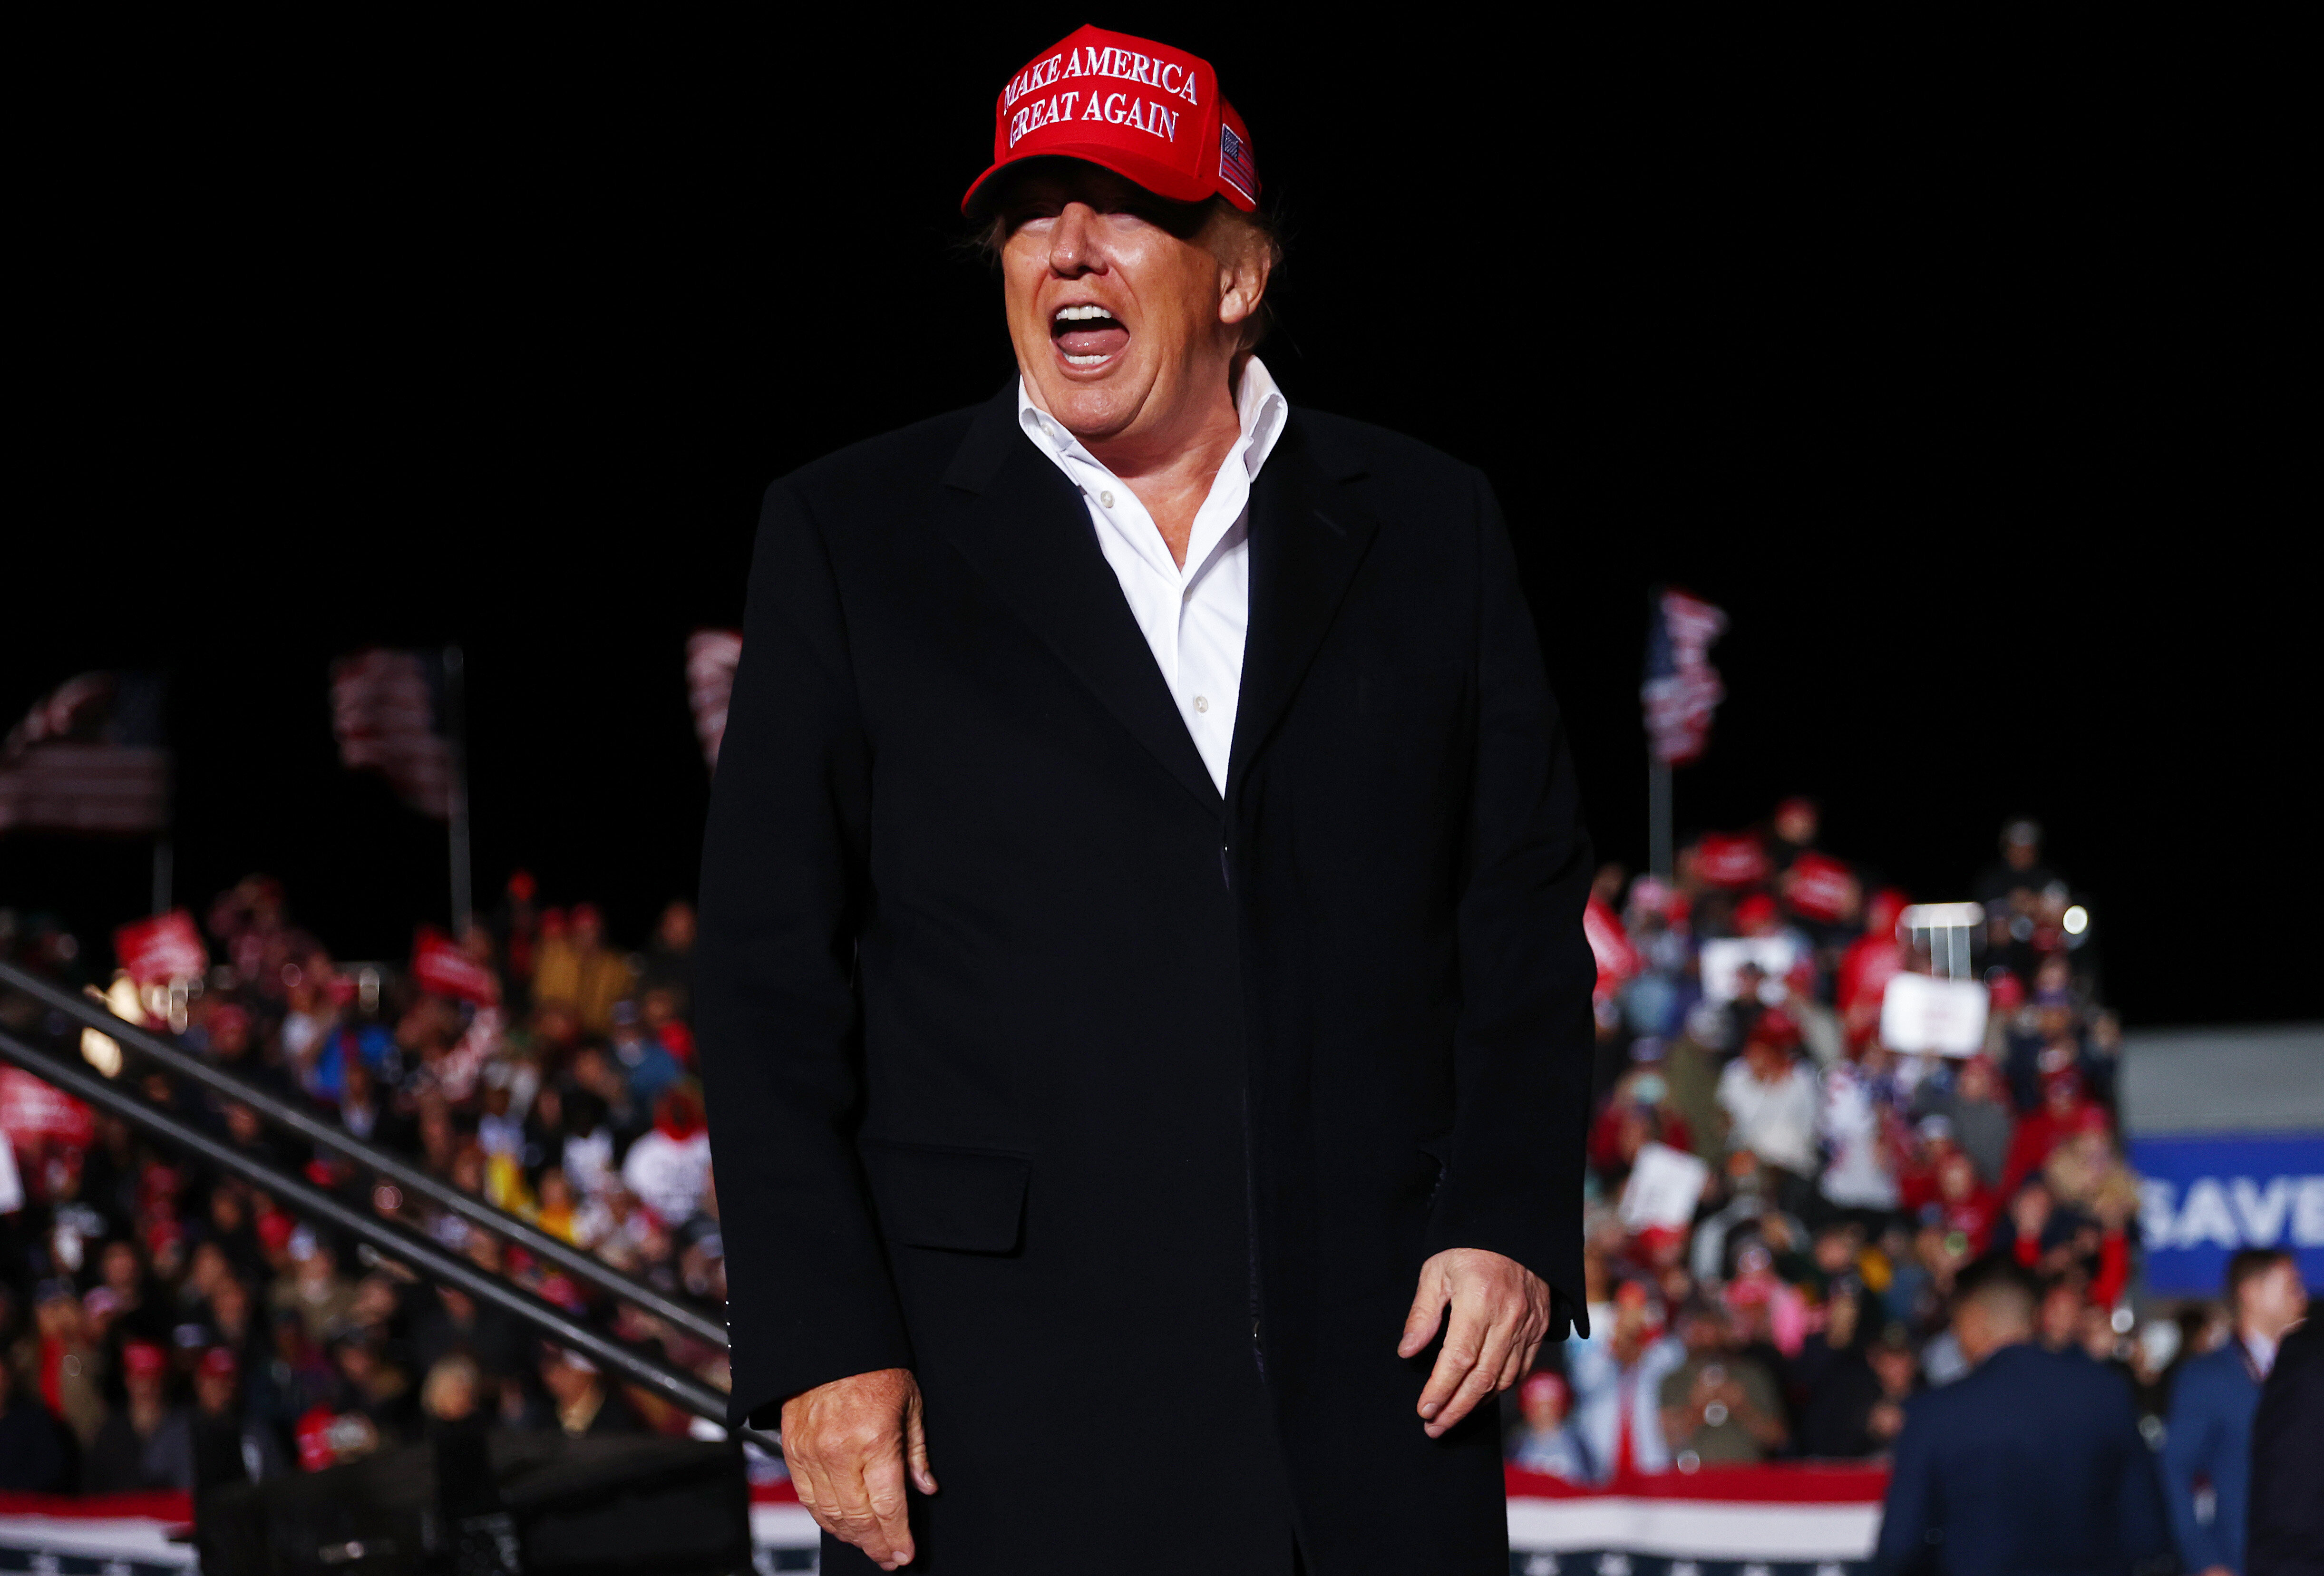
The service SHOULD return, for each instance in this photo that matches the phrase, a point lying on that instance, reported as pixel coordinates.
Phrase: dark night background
(1956, 375)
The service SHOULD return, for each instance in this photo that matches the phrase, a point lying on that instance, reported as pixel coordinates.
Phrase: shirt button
(1201, 702)
(1106, 499)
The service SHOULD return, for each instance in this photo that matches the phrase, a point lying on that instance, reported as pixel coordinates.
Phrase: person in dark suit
(2032, 1465)
(2286, 1527)
(2209, 1436)
(1141, 987)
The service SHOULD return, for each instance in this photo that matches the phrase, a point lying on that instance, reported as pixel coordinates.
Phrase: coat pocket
(970, 1201)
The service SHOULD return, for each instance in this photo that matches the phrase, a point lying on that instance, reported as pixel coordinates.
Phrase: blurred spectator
(1857, 1406)
(60, 1363)
(586, 1407)
(1770, 1101)
(1546, 1442)
(1617, 1373)
(668, 1167)
(578, 970)
(1976, 1114)
(34, 1458)
(314, 1290)
(2207, 1443)
(148, 1444)
(670, 960)
(2020, 869)
(1719, 1407)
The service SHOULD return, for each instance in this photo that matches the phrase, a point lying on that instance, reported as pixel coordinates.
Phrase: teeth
(1080, 314)
(1086, 360)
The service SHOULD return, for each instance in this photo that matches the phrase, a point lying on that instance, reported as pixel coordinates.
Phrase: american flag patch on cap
(1234, 163)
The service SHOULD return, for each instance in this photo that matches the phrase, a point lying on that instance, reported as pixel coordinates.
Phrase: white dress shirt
(1195, 618)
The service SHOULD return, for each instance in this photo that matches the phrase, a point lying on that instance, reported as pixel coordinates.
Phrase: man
(2213, 1403)
(1142, 992)
(145, 1443)
(586, 1408)
(1616, 1371)
(1719, 1407)
(2287, 1513)
(1771, 1099)
(2032, 1463)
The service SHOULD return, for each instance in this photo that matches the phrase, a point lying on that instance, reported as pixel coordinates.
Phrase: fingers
(1495, 1337)
(915, 1448)
(883, 1499)
(1519, 1358)
(1465, 1347)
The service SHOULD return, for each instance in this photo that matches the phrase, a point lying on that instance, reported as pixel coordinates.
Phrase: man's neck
(1171, 468)
(2259, 1339)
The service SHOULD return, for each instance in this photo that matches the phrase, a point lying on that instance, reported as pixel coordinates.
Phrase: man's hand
(848, 1445)
(1500, 1311)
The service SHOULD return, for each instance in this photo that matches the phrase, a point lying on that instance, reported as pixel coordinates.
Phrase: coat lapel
(1023, 526)
(1308, 534)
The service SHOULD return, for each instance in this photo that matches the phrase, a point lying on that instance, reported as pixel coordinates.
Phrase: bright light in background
(2078, 919)
(103, 1052)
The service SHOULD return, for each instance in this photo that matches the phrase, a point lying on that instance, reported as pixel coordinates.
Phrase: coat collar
(1025, 529)
(1308, 534)
(1020, 523)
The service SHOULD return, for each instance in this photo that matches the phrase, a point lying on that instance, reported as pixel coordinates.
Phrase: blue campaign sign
(2204, 1196)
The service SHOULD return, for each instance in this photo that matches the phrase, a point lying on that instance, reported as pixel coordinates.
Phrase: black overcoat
(1122, 1112)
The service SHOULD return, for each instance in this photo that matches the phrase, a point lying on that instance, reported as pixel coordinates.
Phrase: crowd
(1791, 1296)
(1780, 1198)
(163, 1323)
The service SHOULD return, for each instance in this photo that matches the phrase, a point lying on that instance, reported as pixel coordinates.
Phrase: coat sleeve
(1912, 1520)
(2191, 1447)
(783, 890)
(1524, 1041)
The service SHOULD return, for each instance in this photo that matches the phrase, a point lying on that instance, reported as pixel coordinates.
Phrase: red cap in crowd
(1775, 1027)
(274, 1229)
(1147, 112)
(218, 1362)
(1755, 911)
(1543, 1386)
(142, 1360)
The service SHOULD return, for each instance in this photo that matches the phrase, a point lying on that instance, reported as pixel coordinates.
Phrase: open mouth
(1087, 335)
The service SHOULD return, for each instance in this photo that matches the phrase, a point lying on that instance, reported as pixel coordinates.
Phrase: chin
(1090, 409)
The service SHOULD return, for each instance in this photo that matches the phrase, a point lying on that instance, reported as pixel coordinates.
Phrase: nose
(1075, 248)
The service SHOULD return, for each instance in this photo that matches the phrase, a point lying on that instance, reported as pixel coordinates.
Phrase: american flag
(387, 710)
(710, 659)
(89, 757)
(1682, 687)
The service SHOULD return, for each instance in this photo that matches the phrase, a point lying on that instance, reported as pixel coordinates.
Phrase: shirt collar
(2261, 1350)
(1259, 408)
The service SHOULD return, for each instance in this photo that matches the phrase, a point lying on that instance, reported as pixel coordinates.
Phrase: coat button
(1106, 499)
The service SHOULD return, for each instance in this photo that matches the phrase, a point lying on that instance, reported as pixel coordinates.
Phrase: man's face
(1124, 314)
(2273, 1300)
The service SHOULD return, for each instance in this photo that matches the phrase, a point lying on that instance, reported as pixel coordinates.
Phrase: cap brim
(1175, 185)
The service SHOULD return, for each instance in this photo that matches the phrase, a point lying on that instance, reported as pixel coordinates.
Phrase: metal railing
(574, 1261)
(393, 1239)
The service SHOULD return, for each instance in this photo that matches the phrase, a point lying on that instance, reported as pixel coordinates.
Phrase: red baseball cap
(1147, 112)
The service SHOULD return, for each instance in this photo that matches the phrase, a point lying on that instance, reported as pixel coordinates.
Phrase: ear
(1243, 278)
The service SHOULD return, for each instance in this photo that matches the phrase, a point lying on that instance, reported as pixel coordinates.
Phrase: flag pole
(1660, 858)
(165, 858)
(456, 731)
